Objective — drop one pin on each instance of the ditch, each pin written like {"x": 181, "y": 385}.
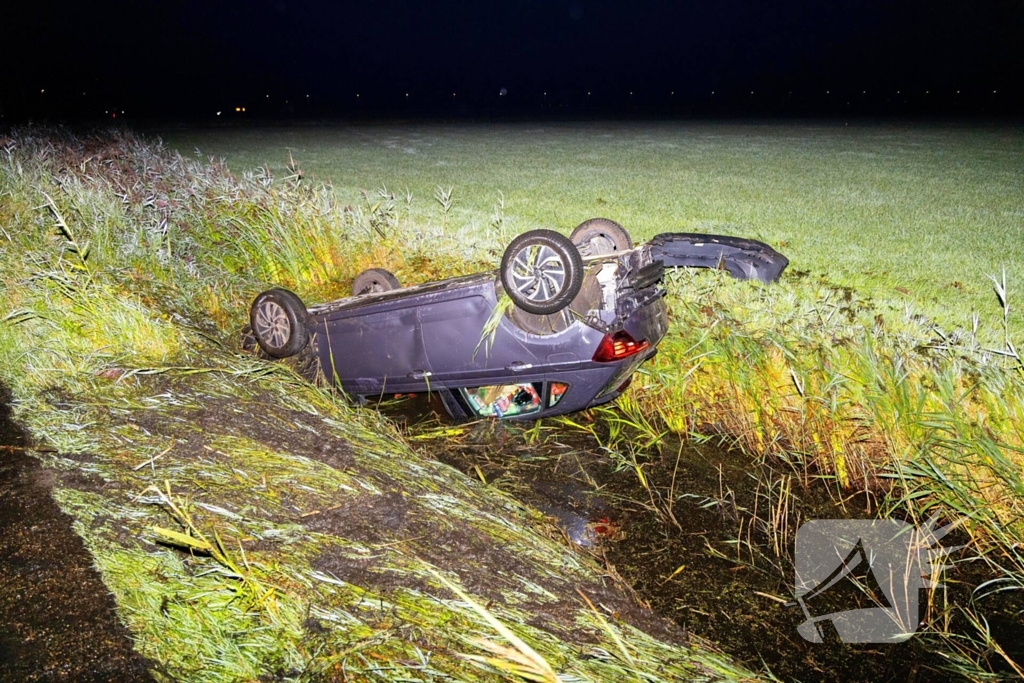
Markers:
{"x": 704, "y": 536}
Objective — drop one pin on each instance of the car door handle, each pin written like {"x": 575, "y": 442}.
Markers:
{"x": 419, "y": 374}
{"x": 519, "y": 366}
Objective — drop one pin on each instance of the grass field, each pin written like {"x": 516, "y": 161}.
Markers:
{"x": 898, "y": 212}
{"x": 126, "y": 272}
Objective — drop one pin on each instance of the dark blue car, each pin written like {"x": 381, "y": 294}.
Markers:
{"x": 560, "y": 326}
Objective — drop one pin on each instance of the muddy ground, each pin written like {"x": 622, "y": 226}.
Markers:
{"x": 231, "y": 453}
{"x": 682, "y": 559}
{"x": 57, "y": 619}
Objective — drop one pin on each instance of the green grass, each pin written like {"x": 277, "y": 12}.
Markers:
{"x": 842, "y": 376}
{"x": 251, "y": 524}
{"x": 126, "y": 272}
{"x": 901, "y": 213}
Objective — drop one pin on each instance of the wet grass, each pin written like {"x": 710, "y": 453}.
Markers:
{"x": 304, "y": 539}
{"x": 881, "y": 406}
{"x": 250, "y": 524}
{"x": 270, "y": 540}
{"x": 705, "y": 534}
{"x": 901, "y": 213}
{"x": 59, "y": 620}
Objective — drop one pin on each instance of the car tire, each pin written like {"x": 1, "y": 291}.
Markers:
{"x": 542, "y": 271}
{"x": 600, "y": 237}
{"x": 278, "y": 321}
{"x": 374, "y": 281}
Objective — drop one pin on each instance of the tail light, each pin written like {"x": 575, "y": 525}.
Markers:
{"x": 618, "y": 346}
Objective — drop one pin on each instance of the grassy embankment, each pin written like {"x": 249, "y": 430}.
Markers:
{"x": 866, "y": 367}
{"x": 250, "y": 524}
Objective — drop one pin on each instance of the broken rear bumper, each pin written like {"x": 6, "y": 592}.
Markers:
{"x": 744, "y": 259}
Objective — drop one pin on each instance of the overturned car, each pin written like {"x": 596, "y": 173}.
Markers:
{"x": 562, "y": 325}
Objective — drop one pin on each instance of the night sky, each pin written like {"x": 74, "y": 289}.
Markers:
{"x": 191, "y": 59}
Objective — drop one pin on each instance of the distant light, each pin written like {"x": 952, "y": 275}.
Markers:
{"x": 357, "y": 94}
{"x": 83, "y": 94}
{"x": 502, "y": 92}
{"x": 712, "y": 92}
{"x": 897, "y": 92}
{"x": 243, "y": 108}
{"x": 588, "y": 93}
{"x": 107, "y": 111}
{"x": 545, "y": 94}
{"x": 307, "y": 97}
{"x": 672, "y": 93}
{"x": 238, "y": 109}
{"x": 218, "y": 113}
{"x": 751, "y": 92}
{"x": 828, "y": 92}
{"x": 993, "y": 92}
{"x": 865, "y": 92}
{"x": 268, "y": 97}
{"x": 957, "y": 92}
{"x": 453, "y": 94}
{"x": 42, "y": 91}
{"x": 927, "y": 92}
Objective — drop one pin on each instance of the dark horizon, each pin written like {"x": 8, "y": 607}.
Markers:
{"x": 578, "y": 57}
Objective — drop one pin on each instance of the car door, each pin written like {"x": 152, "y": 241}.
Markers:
{"x": 374, "y": 350}
{"x": 452, "y": 332}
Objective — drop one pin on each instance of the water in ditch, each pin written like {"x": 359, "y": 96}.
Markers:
{"x": 705, "y": 536}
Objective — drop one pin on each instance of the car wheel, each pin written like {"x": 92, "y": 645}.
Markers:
{"x": 374, "y": 280}
{"x": 600, "y": 236}
{"x": 278, "y": 320}
{"x": 542, "y": 271}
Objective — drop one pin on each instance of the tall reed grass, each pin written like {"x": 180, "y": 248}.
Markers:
{"x": 813, "y": 380}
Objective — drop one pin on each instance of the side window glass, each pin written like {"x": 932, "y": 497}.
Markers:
{"x": 505, "y": 400}
{"x": 556, "y": 392}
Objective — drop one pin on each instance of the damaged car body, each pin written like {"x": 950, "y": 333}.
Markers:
{"x": 561, "y": 326}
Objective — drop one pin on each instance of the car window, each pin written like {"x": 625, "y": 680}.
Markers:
{"x": 505, "y": 400}
{"x": 555, "y": 393}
